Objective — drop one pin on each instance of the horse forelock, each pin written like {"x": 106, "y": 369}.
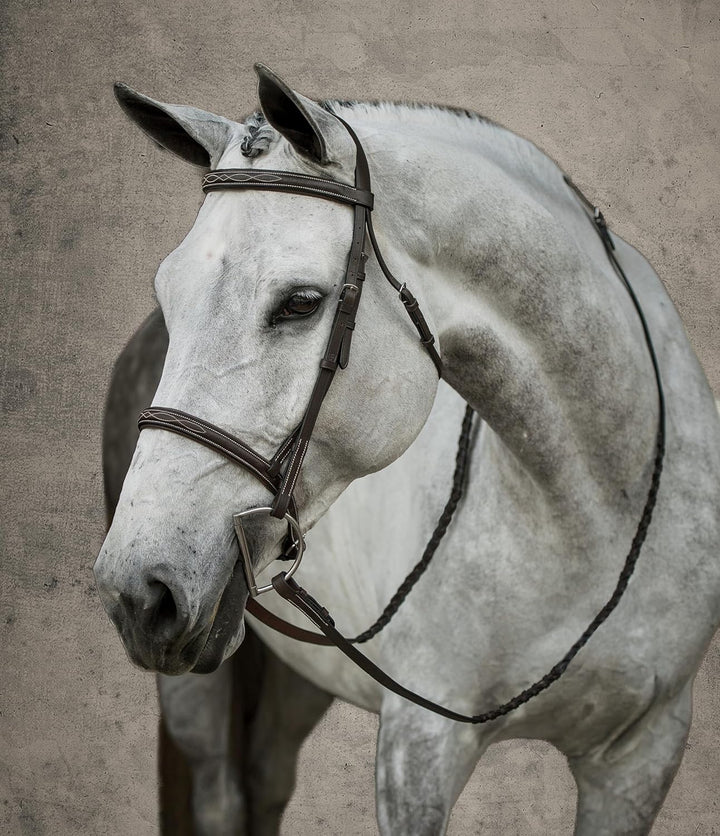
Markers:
{"x": 259, "y": 135}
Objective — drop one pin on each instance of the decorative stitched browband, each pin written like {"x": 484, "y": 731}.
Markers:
{"x": 286, "y": 181}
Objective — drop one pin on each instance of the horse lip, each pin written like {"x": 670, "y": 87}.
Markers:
{"x": 204, "y": 647}
{"x": 227, "y": 625}
{"x": 161, "y": 659}
{"x": 183, "y": 661}
{"x": 213, "y": 655}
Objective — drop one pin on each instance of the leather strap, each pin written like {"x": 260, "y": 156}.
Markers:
{"x": 286, "y": 181}
{"x": 336, "y": 355}
{"x": 601, "y": 227}
{"x": 207, "y": 434}
{"x": 411, "y": 304}
{"x": 285, "y": 627}
{"x": 303, "y": 601}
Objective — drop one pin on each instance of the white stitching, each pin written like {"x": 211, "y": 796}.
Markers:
{"x": 270, "y": 172}
{"x": 349, "y": 198}
{"x": 158, "y": 416}
{"x": 291, "y": 465}
{"x": 208, "y": 441}
{"x": 304, "y": 445}
{"x": 289, "y": 441}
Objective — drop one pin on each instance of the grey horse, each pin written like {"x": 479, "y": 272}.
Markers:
{"x": 539, "y": 336}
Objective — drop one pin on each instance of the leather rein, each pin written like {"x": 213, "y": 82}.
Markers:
{"x": 279, "y": 474}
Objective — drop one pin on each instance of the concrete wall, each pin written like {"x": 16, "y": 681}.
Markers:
{"x": 623, "y": 93}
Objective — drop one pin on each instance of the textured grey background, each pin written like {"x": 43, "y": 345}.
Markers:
{"x": 624, "y": 94}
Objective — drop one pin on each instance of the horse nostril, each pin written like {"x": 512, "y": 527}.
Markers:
{"x": 165, "y": 610}
{"x": 166, "y": 614}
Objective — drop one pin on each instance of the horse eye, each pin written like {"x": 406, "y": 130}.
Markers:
{"x": 299, "y": 305}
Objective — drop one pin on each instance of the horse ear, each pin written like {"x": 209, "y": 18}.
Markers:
{"x": 312, "y": 131}
{"x": 195, "y": 135}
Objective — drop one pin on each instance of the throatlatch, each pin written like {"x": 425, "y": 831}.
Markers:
{"x": 279, "y": 474}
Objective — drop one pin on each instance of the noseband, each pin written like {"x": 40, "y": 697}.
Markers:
{"x": 280, "y": 473}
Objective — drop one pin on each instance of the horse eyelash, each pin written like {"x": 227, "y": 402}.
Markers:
{"x": 307, "y": 294}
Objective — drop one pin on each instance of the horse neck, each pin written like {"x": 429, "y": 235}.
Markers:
{"x": 536, "y": 330}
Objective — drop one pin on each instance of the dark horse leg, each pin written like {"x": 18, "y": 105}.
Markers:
{"x": 228, "y": 741}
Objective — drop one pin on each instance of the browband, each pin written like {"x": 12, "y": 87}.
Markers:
{"x": 286, "y": 181}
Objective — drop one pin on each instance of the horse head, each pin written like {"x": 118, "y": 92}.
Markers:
{"x": 249, "y": 298}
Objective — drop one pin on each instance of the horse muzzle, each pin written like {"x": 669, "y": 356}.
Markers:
{"x": 162, "y": 627}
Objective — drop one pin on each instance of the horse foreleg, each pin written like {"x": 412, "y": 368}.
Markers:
{"x": 622, "y": 786}
{"x": 197, "y": 745}
{"x": 230, "y": 742}
{"x": 423, "y": 763}
{"x": 288, "y": 709}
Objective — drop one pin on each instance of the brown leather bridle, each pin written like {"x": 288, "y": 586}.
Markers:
{"x": 293, "y": 449}
{"x": 291, "y": 453}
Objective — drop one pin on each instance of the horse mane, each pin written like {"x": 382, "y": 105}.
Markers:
{"x": 453, "y": 123}
{"x": 260, "y": 132}
{"x": 395, "y": 104}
